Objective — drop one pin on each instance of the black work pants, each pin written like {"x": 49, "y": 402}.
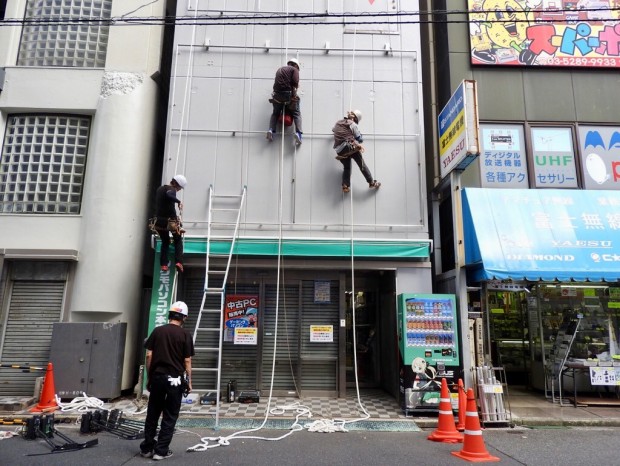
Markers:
{"x": 290, "y": 109}
{"x": 164, "y": 235}
{"x": 359, "y": 160}
{"x": 163, "y": 399}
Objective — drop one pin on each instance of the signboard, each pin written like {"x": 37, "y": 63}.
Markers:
{"x": 548, "y": 234}
{"x": 240, "y": 311}
{"x": 322, "y": 292}
{"x": 600, "y": 156}
{"x": 554, "y": 158}
{"x": 458, "y": 129}
{"x": 246, "y": 336}
{"x": 321, "y": 334}
{"x": 574, "y": 33}
{"x": 604, "y": 375}
{"x": 503, "y": 157}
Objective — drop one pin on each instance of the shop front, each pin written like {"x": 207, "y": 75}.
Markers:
{"x": 318, "y": 315}
{"x": 543, "y": 270}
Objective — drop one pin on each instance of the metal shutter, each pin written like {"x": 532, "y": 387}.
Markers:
{"x": 319, "y": 361}
{"x": 287, "y": 354}
{"x": 34, "y": 306}
{"x": 238, "y": 361}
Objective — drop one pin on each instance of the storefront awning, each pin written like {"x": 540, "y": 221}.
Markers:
{"x": 547, "y": 235}
{"x": 316, "y": 248}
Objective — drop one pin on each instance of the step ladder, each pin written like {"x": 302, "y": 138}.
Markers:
{"x": 224, "y": 217}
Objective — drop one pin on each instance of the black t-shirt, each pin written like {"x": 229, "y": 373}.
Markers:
{"x": 165, "y": 200}
{"x": 170, "y": 345}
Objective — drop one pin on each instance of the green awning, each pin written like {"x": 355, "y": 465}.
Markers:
{"x": 317, "y": 248}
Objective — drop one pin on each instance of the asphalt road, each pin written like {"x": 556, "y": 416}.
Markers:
{"x": 552, "y": 446}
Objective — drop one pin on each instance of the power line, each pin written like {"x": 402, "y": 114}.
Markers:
{"x": 279, "y": 19}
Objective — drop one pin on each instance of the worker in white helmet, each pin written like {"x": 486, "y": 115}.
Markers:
{"x": 167, "y": 221}
{"x": 169, "y": 351}
{"x": 348, "y": 145}
{"x": 285, "y": 99}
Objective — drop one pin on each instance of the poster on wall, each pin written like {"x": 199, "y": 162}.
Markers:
{"x": 572, "y": 33}
{"x": 554, "y": 158}
{"x": 600, "y": 156}
{"x": 502, "y": 157}
{"x": 241, "y": 312}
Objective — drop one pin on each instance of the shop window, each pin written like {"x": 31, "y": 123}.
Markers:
{"x": 64, "y": 41}
{"x": 43, "y": 163}
{"x": 553, "y": 157}
{"x": 503, "y": 158}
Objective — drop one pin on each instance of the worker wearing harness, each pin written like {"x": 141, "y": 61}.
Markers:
{"x": 285, "y": 98}
{"x": 347, "y": 144}
{"x": 168, "y": 222}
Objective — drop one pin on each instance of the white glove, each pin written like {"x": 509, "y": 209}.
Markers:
{"x": 174, "y": 381}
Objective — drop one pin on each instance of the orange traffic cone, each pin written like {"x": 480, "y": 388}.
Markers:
{"x": 460, "y": 426}
{"x": 48, "y": 394}
{"x": 446, "y": 431}
{"x": 473, "y": 445}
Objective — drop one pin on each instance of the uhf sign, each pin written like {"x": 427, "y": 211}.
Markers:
{"x": 458, "y": 129}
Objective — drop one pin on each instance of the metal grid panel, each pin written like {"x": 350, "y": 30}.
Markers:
{"x": 66, "y": 43}
{"x": 43, "y": 162}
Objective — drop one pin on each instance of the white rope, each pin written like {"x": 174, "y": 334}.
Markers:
{"x": 80, "y": 403}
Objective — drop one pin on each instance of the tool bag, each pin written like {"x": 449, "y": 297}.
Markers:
{"x": 351, "y": 148}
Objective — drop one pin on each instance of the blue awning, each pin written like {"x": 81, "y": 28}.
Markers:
{"x": 537, "y": 234}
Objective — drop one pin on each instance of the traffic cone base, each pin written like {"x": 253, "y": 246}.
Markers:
{"x": 473, "y": 443}
{"x": 446, "y": 430}
{"x": 47, "y": 402}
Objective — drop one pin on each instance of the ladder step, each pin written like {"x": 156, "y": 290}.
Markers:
{"x": 208, "y": 329}
{"x": 224, "y": 209}
{"x": 214, "y": 290}
{"x": 217, "y": 272}
{"x": 211, "y": 311}
{"x": 207, "y": 348}
{"x": 226, "y": 196}
{"x": 204, "y": 369}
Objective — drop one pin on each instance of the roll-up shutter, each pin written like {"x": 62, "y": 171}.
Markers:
{"x": 238, "y": 361}
{"x": 319, "y": 361}
{"x": 34, "y": 306}
{"x": 287, "y": 354}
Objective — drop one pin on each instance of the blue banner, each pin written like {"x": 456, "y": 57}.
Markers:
{"x": 536, "y": 234}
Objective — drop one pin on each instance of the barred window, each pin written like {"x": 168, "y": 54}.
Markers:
{"x": 43, "y": 162}
{"x": 60, "y": 39}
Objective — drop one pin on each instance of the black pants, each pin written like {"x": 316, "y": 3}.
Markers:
{"x": 164, "y": 235}
{"x": 292, "y": 109}
{"x": 166, "y": 399}
{"x": 359, "y": 160}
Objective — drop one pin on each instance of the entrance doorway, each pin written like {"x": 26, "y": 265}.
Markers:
{"x": 366, "y": 339}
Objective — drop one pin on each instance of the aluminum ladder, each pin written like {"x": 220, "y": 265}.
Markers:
{"x": 224, "y": 216}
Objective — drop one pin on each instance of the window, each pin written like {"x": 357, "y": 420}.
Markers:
{"x": 43, "y": 162}
{"x": 64, "y": 41}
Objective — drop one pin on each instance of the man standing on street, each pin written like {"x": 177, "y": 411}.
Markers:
{"x": 285, "y": 98}
{"x": 169, "y": 351}
{"x": 167, "y": 222}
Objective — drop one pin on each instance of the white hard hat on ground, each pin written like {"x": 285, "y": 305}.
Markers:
{"x": 294, "y": 61}
{"x": 181, "y": 180}
{"x": 179, "y": 307}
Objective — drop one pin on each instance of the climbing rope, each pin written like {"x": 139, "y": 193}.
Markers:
{"x": 80, "y": 403}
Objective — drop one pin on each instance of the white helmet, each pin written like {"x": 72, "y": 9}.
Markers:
{"x": 358, "y": 115}
{"x": 179, "y": 307}
{"x": 181, "y": 180}
{"x": 293, "y": 61}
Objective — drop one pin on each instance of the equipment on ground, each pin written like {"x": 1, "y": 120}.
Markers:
{"x": 42, "y": 426}
{"x": 113, "y": 422}
{"x": 209, "y": 398}
{"x": 249, "y": 396}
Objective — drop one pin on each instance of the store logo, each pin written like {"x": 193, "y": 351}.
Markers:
{"x": 582, "y": 244}
{"x": 605, "y": 257}
{"x": 541, "y": 257}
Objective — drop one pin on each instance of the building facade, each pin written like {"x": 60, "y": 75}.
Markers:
{"x": 526, "y": 235}
{"x": 306, "y": 254}
{"x": 78, "y": 109}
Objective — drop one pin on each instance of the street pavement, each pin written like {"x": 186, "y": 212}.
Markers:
{"x": 549, "y": 446}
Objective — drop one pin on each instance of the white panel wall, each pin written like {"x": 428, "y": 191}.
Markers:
{"x": 220, "y": 112}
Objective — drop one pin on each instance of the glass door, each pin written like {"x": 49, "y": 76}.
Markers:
{"x": 366, "y": 337}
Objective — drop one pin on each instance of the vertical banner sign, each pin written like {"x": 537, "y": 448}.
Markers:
{"x": 241, "y": 319}
{"x": 161, "y": 298}
{"x": 458, "y": 129}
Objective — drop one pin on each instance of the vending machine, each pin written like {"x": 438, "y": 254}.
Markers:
{"x": 429, "y": 348}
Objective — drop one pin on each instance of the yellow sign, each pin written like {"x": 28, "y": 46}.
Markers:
{"x": 246, "y": 336}
{"x": 321, "y": 333}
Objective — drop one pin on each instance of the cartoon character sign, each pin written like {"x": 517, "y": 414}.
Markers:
{"x": 579, "y": 33}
